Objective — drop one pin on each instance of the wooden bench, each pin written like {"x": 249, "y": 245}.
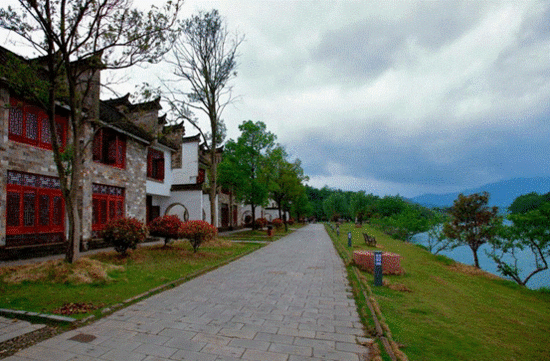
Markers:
{"x": 369, "y": 240}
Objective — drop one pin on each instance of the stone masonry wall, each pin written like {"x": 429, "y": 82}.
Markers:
{"x": 132, "y": 179}
{"x": 19, "y": 157}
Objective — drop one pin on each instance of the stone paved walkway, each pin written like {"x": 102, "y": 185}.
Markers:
{"x": 11, "y": 328}
{"x": 287, "y": 301}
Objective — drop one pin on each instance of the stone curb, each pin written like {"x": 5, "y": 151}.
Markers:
{"x": 45, "y": 316}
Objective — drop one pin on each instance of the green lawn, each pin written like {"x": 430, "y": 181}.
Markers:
{"x": 452, "y": 314}
{"x": 145, "y": 269}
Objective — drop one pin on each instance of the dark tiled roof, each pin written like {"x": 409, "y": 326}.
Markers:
{"x": 125, "y": 102}
{"x": 194, "y": 138}
{"x": 109, "y": 114}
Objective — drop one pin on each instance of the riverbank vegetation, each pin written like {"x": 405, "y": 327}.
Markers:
{"x": 443, "y": 310}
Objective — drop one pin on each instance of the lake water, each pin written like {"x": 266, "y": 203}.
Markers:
{"x": 463, "y": 254}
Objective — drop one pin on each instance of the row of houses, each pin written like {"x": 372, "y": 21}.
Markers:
{"x": 137, "y": 166}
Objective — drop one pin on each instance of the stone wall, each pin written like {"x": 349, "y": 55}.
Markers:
{"x": 19, "y": 157}
{"x": 30, "y": 159}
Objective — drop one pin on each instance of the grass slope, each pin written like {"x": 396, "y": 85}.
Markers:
{"x": 455, "y": 312}
{"x": 144, "y": 269}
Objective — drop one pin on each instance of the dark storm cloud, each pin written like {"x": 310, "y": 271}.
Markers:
{"x": 439, "y": 158}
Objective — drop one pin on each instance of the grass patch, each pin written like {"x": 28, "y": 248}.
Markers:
{"x": 107, "y": 278}
{"x": 443, "y": 310}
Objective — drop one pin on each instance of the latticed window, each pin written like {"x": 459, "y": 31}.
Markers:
{"x": 34, "y": 204}
{"x": 107, "y": 204}
{"x": 29, "y": 124}
{"x": 109, "y": 148}
{"x": 155, "y": 164}
{"x": 13, "y": 209}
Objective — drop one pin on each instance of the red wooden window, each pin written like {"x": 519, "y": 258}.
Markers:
{"x": 155, "y": 164}
{"x": 201, "y": 177}
{"x": 34, "y": 204}
{"x": 107, "y": 204}
{"x": 110, "y": 148}
{"x": 29, "y": 124}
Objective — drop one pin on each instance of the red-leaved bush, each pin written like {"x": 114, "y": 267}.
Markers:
{"x": 290, "y": 221}
{"x": 124, "y": 233}
{"x": 277, "y": 223}
{"x": 261, "y": 222}
{"x": 197, "y": 232}
{"x": 167, "y": 227}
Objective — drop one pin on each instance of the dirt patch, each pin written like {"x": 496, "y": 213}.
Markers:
{"x": 75, "y": 308}
{"x": 472, "y": 271}
{"x": 84, "y": 270}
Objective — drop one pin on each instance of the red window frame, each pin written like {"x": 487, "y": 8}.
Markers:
{"x": 110, "y": 148}
{"x": 29, "y": 124}
{"x": 201, "y": 177}
{"x": 155, "y": 164}
{"x": 33, "y": 210}
{"x": 106, "y": 207}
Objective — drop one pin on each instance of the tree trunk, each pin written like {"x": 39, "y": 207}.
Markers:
{"x": 253, "y": 207}
{"x": 476, "y": 260}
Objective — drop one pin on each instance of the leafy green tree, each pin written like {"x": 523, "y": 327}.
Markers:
{"x": 316, "y": 198}
{"x": 75, "y": 40}
{"x": 336, "y": 206}
{"x": 205, "y": 57}
{"x": 529, "y": 230}
{"x": 528, "y": 202}
{"x": 472, "y": 222}
{"x": 363, "y": 205}
{"x": 284, "y": 180}
{"x": 390, "y": 205}
{"x": 302, "y": 207}
{"x": 244, "y": 162}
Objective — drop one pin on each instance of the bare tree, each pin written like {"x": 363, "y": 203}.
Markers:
{"x": 76, "y": 39}
{"x": 205, "y": 57}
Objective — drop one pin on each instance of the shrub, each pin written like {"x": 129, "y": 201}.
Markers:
{"x": 290, "y": 221}
{"x": 167, "y": 227}
{"x": 261, "y": 222}
{"x": 277, "y": 223}
{"x": 197, "y": 232}
{"x": 124, "y": 233}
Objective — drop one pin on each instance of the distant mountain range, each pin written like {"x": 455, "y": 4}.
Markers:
{"x": 502, "y": 193}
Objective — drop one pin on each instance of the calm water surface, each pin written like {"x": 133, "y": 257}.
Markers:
{"x": 463, "y": 254}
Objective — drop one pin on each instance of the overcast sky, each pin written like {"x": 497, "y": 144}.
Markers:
{"x": 394, "y": 96}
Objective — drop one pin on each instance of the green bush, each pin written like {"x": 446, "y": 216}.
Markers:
{"x": 124, "y": 233}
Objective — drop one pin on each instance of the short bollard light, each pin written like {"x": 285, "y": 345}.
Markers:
{"x": 349, "y": 239}
{"x": 378, "y": 268}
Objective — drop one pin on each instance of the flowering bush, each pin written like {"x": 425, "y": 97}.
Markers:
{"x": 197, "y": 232}
{"x": 261, "y": 222}
{"x": 290, "y": 221}
{"x": 167, "y": 227}
{"x": 124, "y": 233}
{"x": 277, "y": 223}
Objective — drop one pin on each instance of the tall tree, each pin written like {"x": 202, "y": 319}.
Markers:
{"x": 76, "y": 39}
{"x": 284, "y": 181}
{"x": 336, "y": 206}
{"x": 529, "y": 230}
{"x": 244, "y": 163}
{"x": 205, "y": 58}
{"x": 472, "y": 222}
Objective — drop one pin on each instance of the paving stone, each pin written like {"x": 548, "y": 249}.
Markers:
{"x": 264, "y": 356}
{"x": 288, "y": 301}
